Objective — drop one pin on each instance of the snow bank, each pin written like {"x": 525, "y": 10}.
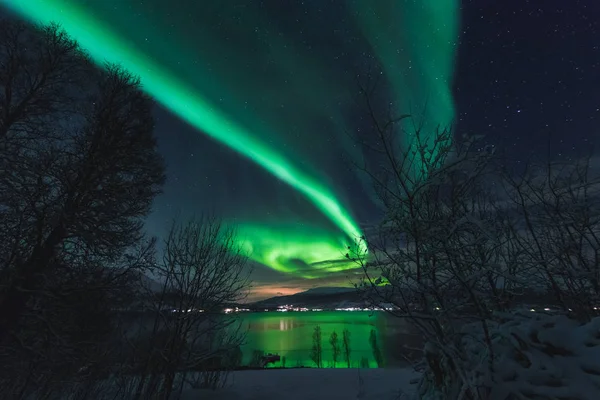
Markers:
{"x": 312, "y": 383}
{"x": 535, "y": 356}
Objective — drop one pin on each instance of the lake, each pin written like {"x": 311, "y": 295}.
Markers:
{"x": 289, "y": 334}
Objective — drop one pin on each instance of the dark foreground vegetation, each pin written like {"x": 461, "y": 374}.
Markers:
{"x": 79, "y": 170}
{"x": 469, "y": 235}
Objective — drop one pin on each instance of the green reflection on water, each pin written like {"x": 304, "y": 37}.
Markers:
{"x": 290, "y": 336}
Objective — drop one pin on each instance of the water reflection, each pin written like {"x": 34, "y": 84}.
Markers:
{"x": 290, "y": 335}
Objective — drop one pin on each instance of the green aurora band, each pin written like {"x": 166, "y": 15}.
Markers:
{"x": 215, "y": 90}
{"x": 417, "y": 52}
{"x": 104, "y": 46}
{"x": 301, "y": 251}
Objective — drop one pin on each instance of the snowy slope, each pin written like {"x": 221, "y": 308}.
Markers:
{"x": 312, "y": 383}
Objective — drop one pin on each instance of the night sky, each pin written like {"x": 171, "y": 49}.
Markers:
{"x": 257, "y": 101}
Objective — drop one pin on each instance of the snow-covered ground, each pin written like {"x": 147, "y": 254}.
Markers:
{"x": 313, "y": 384}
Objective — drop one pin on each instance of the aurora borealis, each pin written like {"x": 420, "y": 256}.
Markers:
{"x": 416, "y": 47}
{"x": 270, "y": 97}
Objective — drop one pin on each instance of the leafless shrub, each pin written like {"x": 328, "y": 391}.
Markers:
{"x": 204, "y": 272}
{"x": 559, "y": 236}
{"x": 463, "y": 240}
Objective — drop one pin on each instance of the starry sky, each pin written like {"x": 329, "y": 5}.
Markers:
{"x": 258, "y": 107}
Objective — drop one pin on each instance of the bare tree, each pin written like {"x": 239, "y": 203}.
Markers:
{"x": 316, "y": 352}
{"x": 463, "y": 241}
{"x": 86, "y": 200}
{"x": 204, "y": 272}
{"x": 41, "y": 70}
{"x": 346, "y": 346}
{"x": 79, "y": 170}
{"x": 335, "y": 347}
{"x": 558, "y": 239}
{"x": 434, "y": 219}
{"x": 437, "y": 255}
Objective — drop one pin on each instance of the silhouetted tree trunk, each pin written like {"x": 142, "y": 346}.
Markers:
{"x": 346, "y": 346}
{"x": 316, "y": 353}
{"x": 335, "y": 347}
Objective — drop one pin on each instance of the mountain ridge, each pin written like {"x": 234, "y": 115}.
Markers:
{"x": 314, "y": 297}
